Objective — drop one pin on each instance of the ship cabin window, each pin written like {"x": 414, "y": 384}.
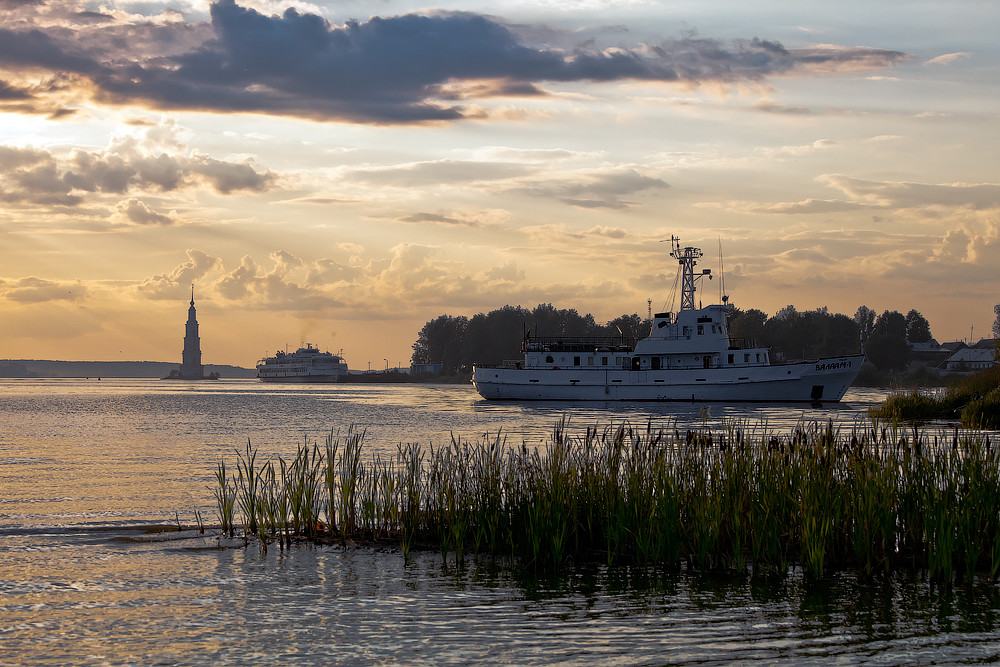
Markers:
{"x": 731, "y": 358}
{"x": 549, "y": 359}
{"x": 701, "y": 329}
{"x": 654, "y": 363}
{"x": 635, "y": 363}
{"x": 746, "y": 358}
{"x": 590, "y": 361}
{"x": 687, "y": 331}
{"x": 576, "y": 361}
{"x": 604, "y": 361}
{"x": 708, "y": 362}
{"x": 758, "y": 357}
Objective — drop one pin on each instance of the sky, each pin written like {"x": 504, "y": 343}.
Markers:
{"x": 342, "y": 172}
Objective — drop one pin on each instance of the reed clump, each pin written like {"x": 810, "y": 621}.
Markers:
{"x": 741, "y": 498}
{"x": 975, "y": 400}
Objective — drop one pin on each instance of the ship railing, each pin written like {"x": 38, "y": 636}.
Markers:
{"x": 736, "y": 343}
{"x": 579, "y": 344}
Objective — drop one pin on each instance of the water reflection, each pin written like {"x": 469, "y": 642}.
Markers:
{"x": 78, "y": 457}
{"x": 96, "y": 598}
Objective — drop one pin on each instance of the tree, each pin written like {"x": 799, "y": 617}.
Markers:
{"x": 887, "y": 348}
{"x": 630, "y": 326}
{"x": 840, "y": 336}
{"x": 996, "y": 332}
{"x": 918, "y": 329}
{"x": 865, "y": 319}
{"x": 495, "y": 336}
{"x": 748, "y": 324}
{"x": 891, "y": 323}
{"x": 440, "y": 342}
{"x": 786, "y": 313}
{"x": 888, "y": 352}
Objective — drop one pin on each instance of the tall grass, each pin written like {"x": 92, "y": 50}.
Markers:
{"x": 877, "y": 498}
{"x": 974, "y": 399}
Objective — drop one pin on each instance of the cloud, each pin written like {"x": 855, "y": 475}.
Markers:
{"x": 479, "y": 219}
{"x": 422, "y": 174}
{"x": 594, "y": 189}
{"x": 175, "y": 284}
{"x": 892, "y": 194}
{"x": 37, "y": 290}
{"x": 136, "y": 212}
{"x": 948, "y": 58}
{"x": 400, "y": 69}
{"x": 40, "y": 177}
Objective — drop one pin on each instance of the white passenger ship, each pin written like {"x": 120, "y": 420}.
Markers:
{"x": 306, "y": 364}
{"x": 690, "y": 357}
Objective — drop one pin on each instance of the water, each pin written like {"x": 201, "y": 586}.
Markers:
{"x": 85, "y": 464}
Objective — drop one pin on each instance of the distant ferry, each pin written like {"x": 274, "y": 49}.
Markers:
{"x": 687, "y": 357}
{"x": 306, "y": 364}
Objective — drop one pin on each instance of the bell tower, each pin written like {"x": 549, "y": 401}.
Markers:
{"x": 191, "y": 368}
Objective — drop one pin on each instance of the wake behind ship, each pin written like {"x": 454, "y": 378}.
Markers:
{"x": 686, "y": 357}
{"x": 306, "y": 364}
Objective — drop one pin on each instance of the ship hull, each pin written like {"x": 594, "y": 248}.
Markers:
{"x": 825, "y": 380}
{"x": 300, "y": 379}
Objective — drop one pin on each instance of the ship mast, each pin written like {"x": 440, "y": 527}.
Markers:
{"x": 687, "y": 257}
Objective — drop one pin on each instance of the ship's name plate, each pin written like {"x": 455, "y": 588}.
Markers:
{"x": 834, "y": 365}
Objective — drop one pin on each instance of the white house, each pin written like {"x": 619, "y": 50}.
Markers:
{"x": 970, "y": 359}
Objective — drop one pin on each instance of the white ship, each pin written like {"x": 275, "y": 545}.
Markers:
{"x": 306, "y": 364}
{"x": 687, "y": 357}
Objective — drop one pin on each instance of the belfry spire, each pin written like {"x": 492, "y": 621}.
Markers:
{"x": 191, "y": 368}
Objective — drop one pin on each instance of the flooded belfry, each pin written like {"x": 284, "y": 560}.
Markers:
{"x": 191, "y": 367}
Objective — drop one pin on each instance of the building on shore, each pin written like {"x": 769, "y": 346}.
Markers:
{"x": 191, "y": 366}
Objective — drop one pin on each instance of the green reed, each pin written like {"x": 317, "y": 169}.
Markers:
{"x": 878, "y": 498}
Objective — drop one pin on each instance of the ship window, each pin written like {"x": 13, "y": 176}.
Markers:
{"x": 746, "y": 358}
{"x": 730, "y": 358}
{"x": 549, "y": 359}
{"x": 758, "y": 357}
{"x": 590, "y": 361}
{"x": 701, "y": 329}
{"x": 576, "y": 361}
{"x": 655, "y": 363}
{"x": 604, "y": 361}
{"x": 687, "y": 331}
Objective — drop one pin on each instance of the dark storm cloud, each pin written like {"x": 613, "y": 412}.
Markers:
{"x": 402, "y": 69}
{"x": 35, "y": 49}
{"x": 8, "y": 92}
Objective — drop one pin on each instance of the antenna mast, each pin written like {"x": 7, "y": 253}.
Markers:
{"x": 687, "y": 257}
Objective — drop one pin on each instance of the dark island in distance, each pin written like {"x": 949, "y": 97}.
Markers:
{"x": 43, "y": 368}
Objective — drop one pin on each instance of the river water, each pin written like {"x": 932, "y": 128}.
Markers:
{"x": 86, "y": 464}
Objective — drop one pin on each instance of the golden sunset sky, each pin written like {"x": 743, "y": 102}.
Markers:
{"x": 342, "y": 172}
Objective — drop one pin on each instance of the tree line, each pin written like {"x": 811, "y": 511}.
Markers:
{"x": 458, "y": 342}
